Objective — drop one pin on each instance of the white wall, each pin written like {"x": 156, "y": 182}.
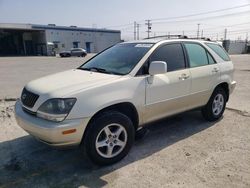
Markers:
{"x": 99, "y": 40}
{"x": 237, "y": 47}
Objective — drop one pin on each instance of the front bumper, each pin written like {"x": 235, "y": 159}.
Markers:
{"x": 50, "y": 132}
{"x": 232, "y": 86}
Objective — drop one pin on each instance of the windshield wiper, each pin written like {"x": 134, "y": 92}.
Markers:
{"x": 101, "y": 70}
{"x": 96, "y": 69}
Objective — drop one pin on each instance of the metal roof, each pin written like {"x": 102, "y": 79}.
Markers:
{"x": 11, "y": 26}
{"x": 35, "y": 27}
{"x": 71, "y": 28}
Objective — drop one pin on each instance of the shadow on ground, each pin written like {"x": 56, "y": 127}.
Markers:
{"x": 29, "y": 162}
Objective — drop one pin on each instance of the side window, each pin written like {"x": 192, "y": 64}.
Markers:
{"x": 197, "y": 55}
{"x": 219, "y": 51}
{"x": 172, "y": 54}
{"x": 210, "y": 59}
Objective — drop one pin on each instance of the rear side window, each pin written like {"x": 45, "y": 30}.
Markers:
{"x": 219, "y": 51}
{"x": 172, "y": 54}
{"x": 197, "y": 55}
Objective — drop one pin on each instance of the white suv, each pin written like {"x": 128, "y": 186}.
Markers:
{"x": 101, "y": 104}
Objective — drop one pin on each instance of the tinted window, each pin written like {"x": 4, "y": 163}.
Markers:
{"x": 119, "y": 59}
{"x": 172, "y": 54}
{"x": 197, "y": 55}
{"x": 219, "y": 51}
{"x": 210, "y": 59}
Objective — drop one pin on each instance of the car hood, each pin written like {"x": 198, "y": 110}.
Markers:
{"x": 68, "y": 82}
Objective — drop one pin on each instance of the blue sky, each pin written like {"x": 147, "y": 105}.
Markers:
{"x": 113, "y": 13}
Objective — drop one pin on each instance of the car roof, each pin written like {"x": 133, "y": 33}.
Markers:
{"x": 157, "y": 40}
{"x": 76, "y": 49}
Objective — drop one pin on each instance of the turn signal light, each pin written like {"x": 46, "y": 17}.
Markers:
{"x": 69, "y": 131}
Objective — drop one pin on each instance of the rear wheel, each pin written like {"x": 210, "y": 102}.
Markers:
{"x": 109, "y": 138}
{"x": 215, "y": 107}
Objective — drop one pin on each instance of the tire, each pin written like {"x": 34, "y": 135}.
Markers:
{"x": 215, "y": 107}
{"x": 103, "y": 131}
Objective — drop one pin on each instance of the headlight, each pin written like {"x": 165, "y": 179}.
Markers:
{"x": 56, "y": 109}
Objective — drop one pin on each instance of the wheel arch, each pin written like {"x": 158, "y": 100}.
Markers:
{"x": 126, "y": 108}
{"x": 225, "y": 87}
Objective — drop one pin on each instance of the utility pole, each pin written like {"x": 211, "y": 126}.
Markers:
{"x": 149, "y": 25}
{"x": 225, "y": 34}
{"x": 201, "y": 33}
{"x": 169, "y": 35}
{"x": 198, "y": 30}
{"x": 138, "y": 26}
{"x": 183, "y": 33}
{"x": 134, "y": 30}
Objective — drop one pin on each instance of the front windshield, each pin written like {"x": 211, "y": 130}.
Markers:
{"x": 119, "y": 59}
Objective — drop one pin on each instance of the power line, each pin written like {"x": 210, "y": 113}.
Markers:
{"x": 202, "y": 13}
{"x": 216, "y": 26}
{"x": 185, "y": 16}
{"x": 204, "y": 29}
{"x": 205, "y": 18}
{"x": 194, "y": 19}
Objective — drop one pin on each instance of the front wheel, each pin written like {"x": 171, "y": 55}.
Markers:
{"x": 215, "y": 107}
{"x": 109, "y": 138}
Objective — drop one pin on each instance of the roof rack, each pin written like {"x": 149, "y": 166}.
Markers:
{"x": 178, "y": 37}
{"x": 202, "y": 38}
{"x": 169, "y": 37}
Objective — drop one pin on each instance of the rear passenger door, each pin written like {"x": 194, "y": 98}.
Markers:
{"x": 167, "y": 94}
{"x": 204, "y": 71}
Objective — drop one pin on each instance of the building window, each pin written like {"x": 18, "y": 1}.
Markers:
{"x": 75, "y": 44}
{"x": 63, "y": 45}
{"x": 56, "y": 44}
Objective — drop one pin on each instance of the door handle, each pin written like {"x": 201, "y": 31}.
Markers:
{"x": 183, "y": 77}
{"x": 215, "y": 70}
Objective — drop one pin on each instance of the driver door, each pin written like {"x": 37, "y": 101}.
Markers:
{"x": 168, "y": 93}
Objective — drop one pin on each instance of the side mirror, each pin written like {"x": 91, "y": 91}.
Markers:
{"x": 157, "y": 67}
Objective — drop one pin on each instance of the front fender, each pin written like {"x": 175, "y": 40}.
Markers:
{"x": 91, "y": 101}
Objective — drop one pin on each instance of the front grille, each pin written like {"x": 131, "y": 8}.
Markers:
{"x": 28, "y": 98}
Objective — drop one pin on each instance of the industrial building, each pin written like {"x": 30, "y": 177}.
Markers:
{"x": 236, "y": 47}
{"x": 34, "y": 39}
